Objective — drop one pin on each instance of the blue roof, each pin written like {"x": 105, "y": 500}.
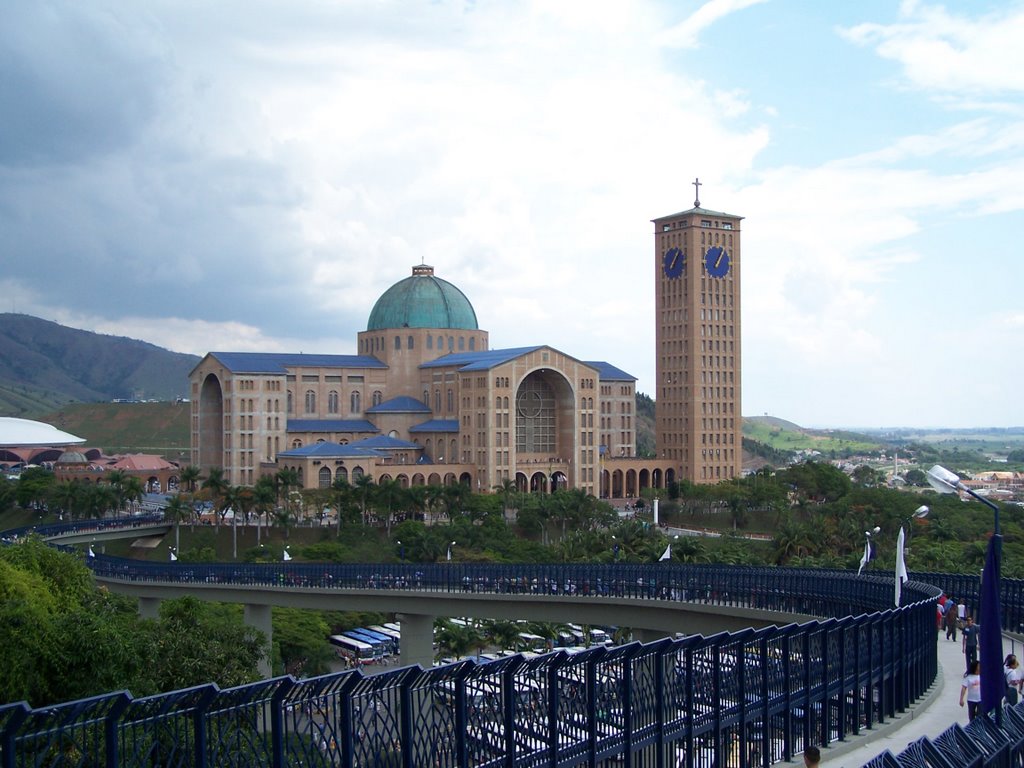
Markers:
{"x": 385, "y": 443}
{"x": 401, "y": 404}
{"x": 330, "y": 425}
{"x": 479, "y": 361}
{"x": 608, "y": 372}
{"x": 437, "y": 425}
{"x": 279, "y": 362}
{"x": 331, "y": 451}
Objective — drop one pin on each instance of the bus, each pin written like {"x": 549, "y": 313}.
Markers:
{"x": 390, "y": 645}
{"x": 354, "y": 650}
{"x": 534, "y": 643}
{"x": 380, "y": 648}
{"x": 394, "y": 634}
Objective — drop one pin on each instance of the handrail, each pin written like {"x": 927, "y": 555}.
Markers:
{"x": 749, "y": 698}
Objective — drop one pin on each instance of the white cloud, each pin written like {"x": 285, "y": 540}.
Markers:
{"x": 952, "y": 53}
{"x": 686, "y": 34}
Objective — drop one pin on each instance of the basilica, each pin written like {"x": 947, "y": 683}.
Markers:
{"x": 425, "y": 401}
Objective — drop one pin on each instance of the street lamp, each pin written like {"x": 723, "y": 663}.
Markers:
{"x": 615, "y": 549}
{"x": 401, "y": 550}
{"x": 869, "y": 549}
{"x": 991, "y": 645}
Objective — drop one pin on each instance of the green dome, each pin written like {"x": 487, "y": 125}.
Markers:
{"x": 422, "y": 301}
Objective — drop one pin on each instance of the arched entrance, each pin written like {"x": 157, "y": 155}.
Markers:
{"x": 211, "y": 424}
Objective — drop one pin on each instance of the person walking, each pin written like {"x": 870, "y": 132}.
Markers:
{"x": 971, "y": 689}
{"x": 949, "y": 619}
{"x": 1014, "y": 677}
{"x": 970, "y": 641}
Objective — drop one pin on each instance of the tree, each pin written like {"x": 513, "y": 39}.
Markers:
{"x": 217, "y": 485}
{"x": 66, "y": 496}
{"x": 389, "y": 495}
{"x": 177, "y": 509}
{"x": 34, "y": 485}
{"x": 132, "y": 491}
{"x": 263, "y": 495}
{"x": 190, "y": 476}
{"x": 507, "y": 489}
{"x": 364, "y": 487}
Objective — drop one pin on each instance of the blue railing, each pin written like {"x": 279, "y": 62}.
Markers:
{"x": 749, "y": 698}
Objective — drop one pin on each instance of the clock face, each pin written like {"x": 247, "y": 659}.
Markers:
{"x": 716, "y": 261}
{"x": 673, "y": 262}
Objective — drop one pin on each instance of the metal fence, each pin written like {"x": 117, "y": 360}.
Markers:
{"x": 744, "y": 699}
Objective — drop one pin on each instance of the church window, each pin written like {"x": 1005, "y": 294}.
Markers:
{"x": 332, "y": 401}
{"x": 378, "y": 397}
{"x": 398, "y": 342}
{"x": 355, "y": 404}
{"x": 296, "y": 444}
{"x": 426, "y": 398}
{"x": 310, "y": 401}
{"x": 472, "y": 343}
{"x": 451, "y": 401}
{"x": 290, "y": 404}
{"x": 462, "y": 343}
{"x": 410, "y": 343}
{"x": 430, "y": 341}
{"x": 440, "y": 343}
{"x": 451, "y": 343}
{"x": 324, "y": 477}
{"x": 437, "y": 401}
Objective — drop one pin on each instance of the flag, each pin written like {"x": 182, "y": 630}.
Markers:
{"x": 666, "y": 555}
{"x": 286, "y": 556}
{"x": 449, "y": 553}
{"x": 174, "y": 557}
{"x": 901, "y": 567}
{"x": 869, "y": 555}
{"x": 990, "y": 647}
{"x": 91, "y": 553}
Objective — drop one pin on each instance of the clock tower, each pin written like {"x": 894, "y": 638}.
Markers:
{"x": 698, "y": 419}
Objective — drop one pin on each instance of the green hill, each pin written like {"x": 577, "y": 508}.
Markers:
{"x": 161, "y": 428}
{"x": 45, "y": 366}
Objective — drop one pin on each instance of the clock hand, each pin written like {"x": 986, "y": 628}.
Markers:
{"x": 721, "y": 255}
{"x": 675, "y": 260}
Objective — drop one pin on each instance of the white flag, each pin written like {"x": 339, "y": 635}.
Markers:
{"x": 666, "y": 555}
{"x": 869, "y": 555}
{"x": 286, "y": 556}
{"x": 91, "y": 553}
{"x": 901, "y": 567}
{"x": 174, "y": 557}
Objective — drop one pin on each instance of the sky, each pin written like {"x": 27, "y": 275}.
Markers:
{"x": 251, "y": 176}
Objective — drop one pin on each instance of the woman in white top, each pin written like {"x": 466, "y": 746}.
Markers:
{"x": 1014, "y": 679}
{"x": 971, "y": 688}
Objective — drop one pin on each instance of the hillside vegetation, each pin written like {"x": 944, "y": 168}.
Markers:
{"x": 44, "y": 366}
{"x": 161, "y": 428}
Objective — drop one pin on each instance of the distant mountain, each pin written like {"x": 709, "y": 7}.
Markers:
{"x": 44, "y": 365}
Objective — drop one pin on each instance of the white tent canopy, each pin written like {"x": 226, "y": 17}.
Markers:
{"x": 18, "y": 433}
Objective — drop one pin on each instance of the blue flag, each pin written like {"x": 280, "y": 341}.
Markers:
{"x": 990, "y": 648}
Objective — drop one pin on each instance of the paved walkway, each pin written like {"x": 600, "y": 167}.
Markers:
{"x": 938, "y": 709}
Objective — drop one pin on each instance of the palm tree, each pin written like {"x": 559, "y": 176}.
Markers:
{"x": 263, "y": 496}
{"x": 115, "y": 480}
{"x": 364, "y": 487}
{"x": 98, "y": 499}
{"x": 389, "y": 494}
{"x": 507, "y": 489}
{"x": 240, "y": 499}
{"x": 132, "y": 490}
{"x": 189, "y": 476}
{"x": 285, "y": 479}
{"x": 66, "y": 495}
{"x": 217, "y": 485}
{"x": 177, "y": 509}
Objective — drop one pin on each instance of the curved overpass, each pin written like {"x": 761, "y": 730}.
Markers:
{"x": 815, "y": 682}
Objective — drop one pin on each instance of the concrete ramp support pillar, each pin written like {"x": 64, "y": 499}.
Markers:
{"x": 149, "y": 607}
{"x": 417, "y": 639}
{"x": 259, "y": 617}
{"x": 648, "y": 635}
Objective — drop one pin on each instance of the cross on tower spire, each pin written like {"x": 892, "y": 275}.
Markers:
{"x": 697, "y": 185}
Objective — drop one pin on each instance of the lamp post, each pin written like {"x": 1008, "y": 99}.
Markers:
{"x": 615, "y": 549}
{"x": 991, "y": 639}
{"x": 401, "y": 550}
{"x": 869, "y": 549}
